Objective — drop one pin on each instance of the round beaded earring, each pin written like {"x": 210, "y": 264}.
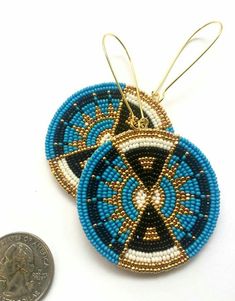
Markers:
{"x": 89, "y": 118}
{"x": 148, "y": 200}
{"x": 92, "y": 116}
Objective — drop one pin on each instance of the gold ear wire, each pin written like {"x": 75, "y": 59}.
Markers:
{"x": 142, "y": 122}
{"x": 158, "y": 94}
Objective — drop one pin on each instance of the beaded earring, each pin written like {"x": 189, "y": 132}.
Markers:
{"x": 89, "y": 118}
{"x": 148, "y": 200}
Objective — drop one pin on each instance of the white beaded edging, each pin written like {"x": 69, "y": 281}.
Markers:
{"x": 146, "y": 142}
{"x": 67, "y": 172}
{"x": 160, "y": 256}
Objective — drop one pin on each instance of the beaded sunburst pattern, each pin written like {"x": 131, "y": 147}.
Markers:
{"x": 148, "y": 200}
{"x": 89, "y": 118}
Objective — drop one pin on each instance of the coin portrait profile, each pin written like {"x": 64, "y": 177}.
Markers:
{"x": 16, "y": 268}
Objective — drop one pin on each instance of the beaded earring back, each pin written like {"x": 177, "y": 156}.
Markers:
{"x": 148, "y": 200}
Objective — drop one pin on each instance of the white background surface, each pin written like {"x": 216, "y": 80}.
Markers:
{"x": 49, "y": 50}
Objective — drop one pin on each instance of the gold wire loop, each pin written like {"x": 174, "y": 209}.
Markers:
{"x": 158, "y": 94}
{"x": 142, "y": 122}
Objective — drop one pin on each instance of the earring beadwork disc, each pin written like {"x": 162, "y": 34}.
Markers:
{"x": 89, "y": 118}
{"x": 148, "y": 200}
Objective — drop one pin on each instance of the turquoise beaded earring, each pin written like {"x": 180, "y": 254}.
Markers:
{"x": 148, "y": 200}
{"x": 89, "y": 118}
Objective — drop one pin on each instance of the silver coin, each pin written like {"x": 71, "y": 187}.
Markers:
{"x": 26, "y": 267}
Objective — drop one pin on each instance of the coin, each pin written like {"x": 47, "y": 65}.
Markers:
{"x": 26, "y": 267}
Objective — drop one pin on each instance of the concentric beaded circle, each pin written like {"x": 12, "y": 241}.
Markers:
{"x": 148, "y": 200}
{"x": 86, "y": 120}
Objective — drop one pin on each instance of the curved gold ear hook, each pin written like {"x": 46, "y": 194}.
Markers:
{"x": 160, "y": 95}
{"x": 142, "y": 122}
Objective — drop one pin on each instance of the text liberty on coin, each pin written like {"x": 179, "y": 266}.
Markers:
{"x": 26, "y": 267}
